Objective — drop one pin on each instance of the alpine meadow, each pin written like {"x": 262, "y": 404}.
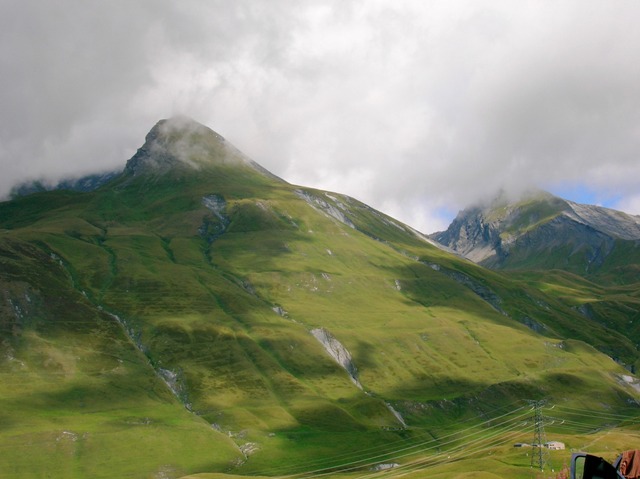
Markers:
{"x": 194, "y": 315}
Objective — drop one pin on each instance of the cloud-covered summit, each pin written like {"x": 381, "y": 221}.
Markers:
{"x": 180, "y": 142}
{"x": 173, "y": 142}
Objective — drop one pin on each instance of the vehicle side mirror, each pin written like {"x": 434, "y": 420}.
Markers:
{"x": 586, "y": 466}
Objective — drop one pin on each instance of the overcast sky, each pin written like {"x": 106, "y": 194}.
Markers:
{"x": 417, "y": 108}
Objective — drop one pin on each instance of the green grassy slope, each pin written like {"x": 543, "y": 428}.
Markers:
{"x": 141, "y": 314}
{"x": 77, "y": 398}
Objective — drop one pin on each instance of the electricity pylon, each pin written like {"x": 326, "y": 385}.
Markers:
{"x": 539, "y": 457}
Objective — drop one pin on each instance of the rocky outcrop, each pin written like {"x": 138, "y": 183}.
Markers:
{"x": 384, "y": 466}
{"x": 338, "y": 352}
{"x": 213, "y": 227}
{"x": 175, "y": 382}
{"x": 471, "y": 235}
{"x": 329, "y": 208}
{"x": 342, "y": 356}
{"x": 396, "y": 414}
{"x": 169, "y": 144}
{"x": 540, "y": 230}
{"x": 615, "y": 224}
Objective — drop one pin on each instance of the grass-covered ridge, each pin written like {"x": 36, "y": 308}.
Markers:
{"x": 173, "y": 308}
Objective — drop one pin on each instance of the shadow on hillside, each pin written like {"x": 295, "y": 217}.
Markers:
{"x": 425, "y": 286}
{"x": 97, "y": 394}
{"x": 233, "y": 348}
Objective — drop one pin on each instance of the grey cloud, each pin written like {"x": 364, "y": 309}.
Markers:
{"x": 414, "y": 107}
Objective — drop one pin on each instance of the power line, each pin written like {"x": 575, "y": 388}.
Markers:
{"x": 539, "y": 458}
{"x": 454, "y": 442}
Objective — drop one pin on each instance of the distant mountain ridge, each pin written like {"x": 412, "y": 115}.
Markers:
{"x": 541, "y": 231}
{"x": 86, "y": 183}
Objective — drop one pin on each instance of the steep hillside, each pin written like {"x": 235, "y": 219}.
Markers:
{"x": 587, "y": 257}
{"x": 232, "y": 322}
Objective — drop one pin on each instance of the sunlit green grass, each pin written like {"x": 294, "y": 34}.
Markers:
{"x": 231, "y": 316}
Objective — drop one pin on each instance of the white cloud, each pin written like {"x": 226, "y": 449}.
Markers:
{"x": 412, "y": 107}
{"x": 630, "y": 204}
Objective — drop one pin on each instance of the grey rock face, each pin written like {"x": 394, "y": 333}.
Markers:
{"x": 472, "y": 235}
{"x": 171, "y": 143}
{"x": 338, "y": 352}
{"x": 212, "y": 228}
{"x": 610, "y": 222}
{"x": 331, "y": 209}
{"x": 507, "y": 235}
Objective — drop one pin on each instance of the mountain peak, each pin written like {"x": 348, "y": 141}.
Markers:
{"x": 539, "y": 228}
{"x": 180, "y": 126}
{"x": 179, "y": 142}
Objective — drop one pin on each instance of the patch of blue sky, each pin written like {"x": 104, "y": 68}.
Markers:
{"x": 584, "y": 194}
